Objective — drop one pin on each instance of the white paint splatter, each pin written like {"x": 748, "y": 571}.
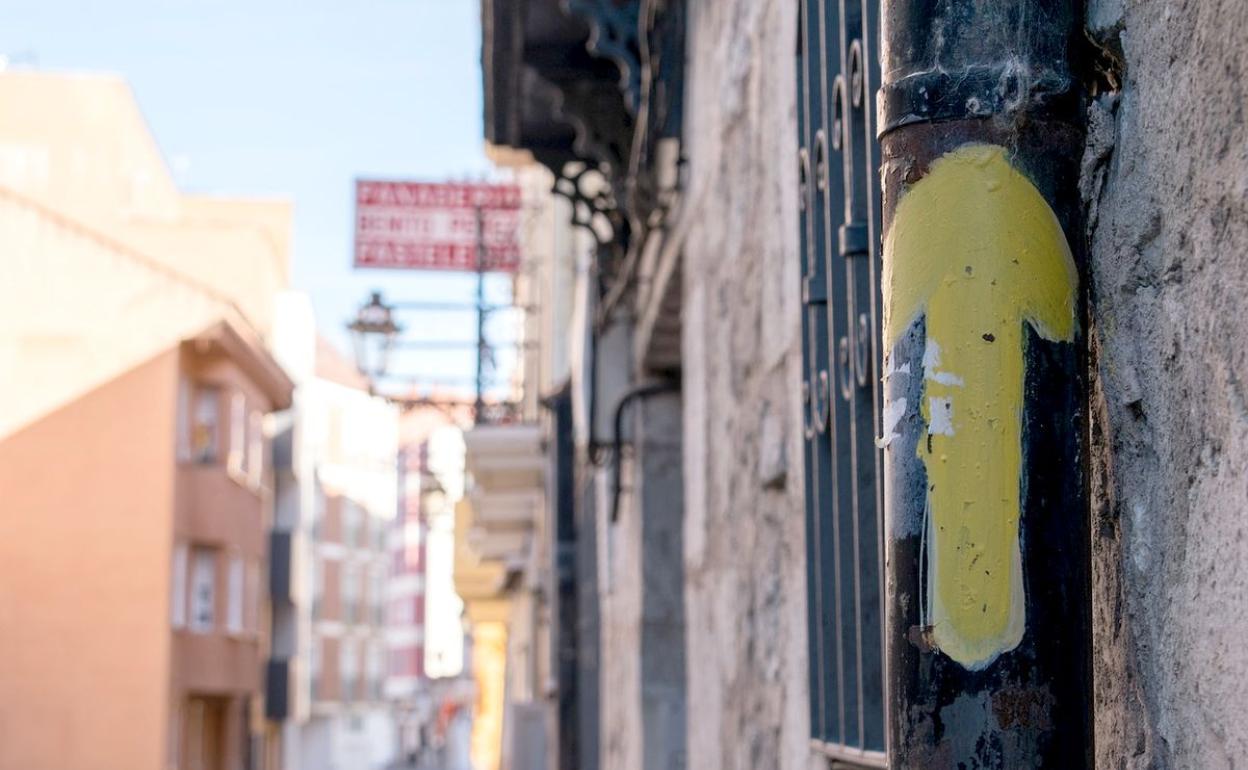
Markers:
{"x": 891, "y": 368}
{"x": 893, "y": 412}
{"x": 931, "y": 362}
{"x": 940, "y": 411}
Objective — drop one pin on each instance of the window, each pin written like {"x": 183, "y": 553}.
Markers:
{"x": 348, "y": 665}
{"x": 318, "y": 512}
{"x": 377, "y": 530}
{"x": 318, "y": 586}
{"x": 238, "y": 436}
{"x": 203, "y": 590}
{"x": 402, "y": 612}
{"x": 350, "y": 592}
{"x": 204, "y": 428}
{"x": 235, "y": 594}
{"x": 839, "y": 207}
{"x": 178, "y": 589}
{"x": 255, "y": 449}
{"x": 350, "y": 523}
{"x": 185, "y": 395}
{"x": 252, "y": 620}
{"x": 375, "y": 663}
{"x": 376, "y": 593}
{"x": 314, "y": 667}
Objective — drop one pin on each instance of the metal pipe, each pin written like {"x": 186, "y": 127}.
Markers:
{"x": 984, "y": 416}
{"x": 593, "y": 447}
{"x": 645, "y": 390}
{"x": 437, "y": 344}
{"x": 416, "y": 381}
{"x": 478, "y": 407}
{"x": 444, "y": 307}
{"x": 463, "y": 344}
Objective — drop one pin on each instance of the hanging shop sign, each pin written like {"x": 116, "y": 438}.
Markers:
{"x": 437, "y": 226}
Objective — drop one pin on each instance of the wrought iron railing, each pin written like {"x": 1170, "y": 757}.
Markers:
{"x": 840, "y": 261}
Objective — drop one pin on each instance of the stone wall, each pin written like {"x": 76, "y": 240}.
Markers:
{"x": 659, "y": 499}
{"x": 1166, "y": 183}
{"x": 643, "y": 618}
{"x": 1166, "y": 188}
{"x": 744, "y": 530}
{"x": 620, "y": 591}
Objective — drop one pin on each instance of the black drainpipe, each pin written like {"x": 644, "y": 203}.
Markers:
{"x": 985, "y": 418}
{"x": 636, "y": 393}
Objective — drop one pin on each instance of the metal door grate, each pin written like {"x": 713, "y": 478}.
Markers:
{"x": 838, "y": 73}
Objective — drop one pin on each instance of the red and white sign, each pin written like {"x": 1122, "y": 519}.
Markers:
{"x": 428, "y": 226}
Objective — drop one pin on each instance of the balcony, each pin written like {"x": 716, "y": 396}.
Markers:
{"x": 506, "y": 510}
{"x": 510, "y": 547}
{"x": 280, "y": 564}
{"x": 217, "y": 663}
{"x": 277, "y": 690}
{"x": 505, "y": 458}
{"x": 214, "y": 508}
{"x": 507, "y": 464}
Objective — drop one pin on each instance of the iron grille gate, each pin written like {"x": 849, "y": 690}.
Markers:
{"x": 838, "y": 73}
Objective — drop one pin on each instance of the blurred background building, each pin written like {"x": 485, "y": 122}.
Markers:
{"x": 427, "y": 679}
{"x": 135, "y": 323}
{"x": 516, "y": 592}
{"x": 336, "y": 509}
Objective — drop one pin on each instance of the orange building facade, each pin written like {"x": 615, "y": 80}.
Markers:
{"x": 133, "y": 545}
{"x": 135, "y": 498}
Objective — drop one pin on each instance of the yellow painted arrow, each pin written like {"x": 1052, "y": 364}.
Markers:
{"x": 975, "y": 248}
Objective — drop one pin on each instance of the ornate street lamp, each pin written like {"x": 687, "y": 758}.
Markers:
{"x": 373, "y": 333}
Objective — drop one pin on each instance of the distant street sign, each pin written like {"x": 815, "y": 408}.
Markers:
{"x": 430, "y": 226}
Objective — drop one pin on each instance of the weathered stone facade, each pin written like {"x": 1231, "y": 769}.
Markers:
{"x": 692, "y": 637}
{"x": 1166, "y": 182}
{"x": 1166, "y": 188}
{"x": 744, "y": 527}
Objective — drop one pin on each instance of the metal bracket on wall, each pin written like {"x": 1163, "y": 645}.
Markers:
{"x": 614, "y": 29}
{"x": 632, "y": 395}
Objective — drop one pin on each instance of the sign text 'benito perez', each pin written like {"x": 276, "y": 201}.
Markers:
{"x": 434, "y": 226}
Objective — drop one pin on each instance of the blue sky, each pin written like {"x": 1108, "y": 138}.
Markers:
{"x": 295, "y": 99}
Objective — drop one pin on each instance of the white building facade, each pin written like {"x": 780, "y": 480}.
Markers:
{"x": 337, "y": 499}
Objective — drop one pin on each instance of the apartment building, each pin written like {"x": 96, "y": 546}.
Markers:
{"x": 337, "y": 496}
{"x": 222, "y": 505}
{"x": 150, "y": 494}
{"x": 513, "y": 568}
{"x": 407, "y": 680}
{"x": 134, "y": 323}
{"x": 428, "y": 681}
{"x": 347, "y": 604}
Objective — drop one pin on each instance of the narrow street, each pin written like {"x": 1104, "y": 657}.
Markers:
{"x": 623, "y": 385}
